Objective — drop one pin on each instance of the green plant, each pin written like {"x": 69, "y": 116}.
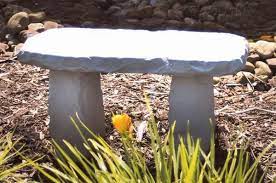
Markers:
{"x": 8, "y": 156}
{"x": 183, "y": 162}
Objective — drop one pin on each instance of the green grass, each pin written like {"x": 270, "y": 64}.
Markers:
{"x": 10, "y": 163}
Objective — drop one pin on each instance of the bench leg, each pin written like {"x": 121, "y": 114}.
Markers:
{"x": 192, "y": 98}
{"x": 71, "y": 92}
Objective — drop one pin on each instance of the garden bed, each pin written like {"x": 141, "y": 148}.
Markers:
{"x": 242, "y": 115}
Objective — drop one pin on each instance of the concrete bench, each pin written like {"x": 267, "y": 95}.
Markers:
{"x": 76, "y": 57}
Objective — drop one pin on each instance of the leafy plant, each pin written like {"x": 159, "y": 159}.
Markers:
{"x": 183, "y": 162}
{"x": 8, "y": 155}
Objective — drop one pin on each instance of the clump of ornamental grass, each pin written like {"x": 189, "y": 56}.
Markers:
{"x": 184, "y": 162}
{"x": 9, "y": 155}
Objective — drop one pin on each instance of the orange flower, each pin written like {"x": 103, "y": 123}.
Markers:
{"x": 122, "y": 123}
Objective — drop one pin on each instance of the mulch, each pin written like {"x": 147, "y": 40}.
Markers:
{"x": 243, "y": 116}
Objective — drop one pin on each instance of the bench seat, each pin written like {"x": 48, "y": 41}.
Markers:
{"x": 76, "y": 56}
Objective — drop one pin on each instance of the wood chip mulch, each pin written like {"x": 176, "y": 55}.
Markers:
{"x": 242, "y": 116}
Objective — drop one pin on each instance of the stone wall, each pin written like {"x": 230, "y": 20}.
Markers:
{"x": 238, "y": 16}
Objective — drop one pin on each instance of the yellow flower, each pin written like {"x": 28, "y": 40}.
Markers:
{"x": 122, "y": 123}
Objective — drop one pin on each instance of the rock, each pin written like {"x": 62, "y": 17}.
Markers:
{"x": 265, "y": 49}
{"x": 25, "y": 34}
{"x": 216, "y": 80}
{"x": 18, "y": 22}
{"x": 175, "y": 14}
{"x": 159, "y": 13}
{"x": 202, "y": 2}
{"x": 174, "y": 24}
{"x": 145, "y": 12}
{"x": 191, "y": 10}
{"x": 11, "y": 39}
{"x": 164, "y": 5}
{"x": 113, "y": 9}
{"x": 252, "y": 47}
{"x": 213, "y": 26}
{"x": 223, "y": 6}
{"x": 253, "y": 58}
{"x": 12, "y": 9}
{"x": 50, "y": 25}
{"x": 204, "y": 16}
{"x": 17, "y": 48}
{"x": 152, "y": 22}
{"x": 264, "y": 78}
{"x": 177, "y": 6}
{"x": 262, "y": 69}
{"x": 272, "y": 81}
{"x": 190, "y": 22}
{"x": 38, "y": 27}
{"x": 3, "y": 47}
{"x": 241, "y": 77}
{"x": 267, "y": 37}
{"x": 249, "y": 67}
{"x": 88, "y": 24}
{"x": 271, "y": 63}
{"x": 37, "y": 17}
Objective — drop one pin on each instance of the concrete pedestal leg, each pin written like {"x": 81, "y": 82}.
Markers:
{"x": 192, "y": 98}
{"x": 71, "y": 92}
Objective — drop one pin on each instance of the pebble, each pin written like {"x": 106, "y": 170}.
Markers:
{"x": 50, "y": 25}
{"x": 39, "y": 27}
{"x": 264, "y": 78}
{"x": 241, "y": 77}
{"x": 18, "y": 22}
{"x": 216, "y": 80}
{"x": 202, "y": 2}
{"x": 3, "y": 47}
{"x": 249, "y": 67}
{"x": 175, "y": 14}
{"x": 262, "y": 69}
{"x": 253, "y": 58}
{"x": 159, "y": 13}
{"x": 265, "y": 49}
{"x": 271, "y": 63}
{"x": 37, "y": 17}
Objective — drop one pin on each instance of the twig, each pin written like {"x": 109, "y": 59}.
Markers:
{"x": 247, "y": 110}
{"x": 252, "y": 87}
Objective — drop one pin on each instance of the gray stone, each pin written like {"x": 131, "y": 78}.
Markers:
{"x": 165, "y": 52}
{"x": 265, "y": 49}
